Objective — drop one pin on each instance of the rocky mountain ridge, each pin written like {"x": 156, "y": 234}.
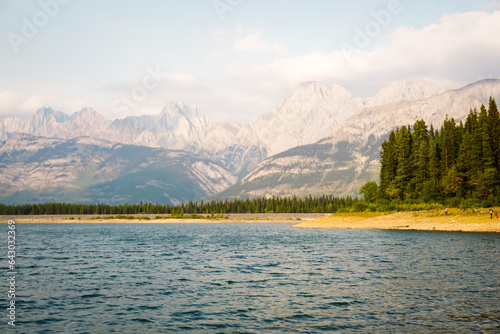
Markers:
{"x": 318, "y": 140}
{"x": 344, "y": 160}
{"x": 88, "y": 170}
{"x": 310, "y": 113}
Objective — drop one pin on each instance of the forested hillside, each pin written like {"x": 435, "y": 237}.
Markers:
{"x": 456, "y": 164}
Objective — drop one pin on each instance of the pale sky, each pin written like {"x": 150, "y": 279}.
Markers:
{"x": 234, "y": 59}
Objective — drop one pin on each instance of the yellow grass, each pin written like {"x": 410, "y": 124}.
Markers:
{"x": 456, "y": 220}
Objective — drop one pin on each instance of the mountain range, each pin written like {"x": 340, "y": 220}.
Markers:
{"x": 319, "y": 140}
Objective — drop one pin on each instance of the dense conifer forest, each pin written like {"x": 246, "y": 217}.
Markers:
{"x": 457, "y": 165}
{"x": 309, "y": 204}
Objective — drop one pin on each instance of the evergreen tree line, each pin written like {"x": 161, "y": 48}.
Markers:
{"x": 456, "y": 165}
{"x": 309, "y": 204}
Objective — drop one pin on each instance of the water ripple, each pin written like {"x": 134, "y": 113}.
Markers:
{"x": 253, "y": 278}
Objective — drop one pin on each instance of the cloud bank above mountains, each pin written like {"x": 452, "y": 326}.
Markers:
{"x": 460, "y": 48}
{"x": 237, "y": 71}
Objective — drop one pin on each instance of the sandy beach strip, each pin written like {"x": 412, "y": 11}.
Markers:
{"x": 425, "y": 221}
{"x": 456, "y": 220}
{"x": 167, "y": 219}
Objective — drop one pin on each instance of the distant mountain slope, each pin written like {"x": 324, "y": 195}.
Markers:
{"x": 378, "y": 121}
{"x": 311, "y": 112}
{"x": 343, "y": 161}
{"x": 86, "y": 170}
{"x": 9, "y": 125}
{"x": 322, "y": 140}
{"x": 403, "y": 91}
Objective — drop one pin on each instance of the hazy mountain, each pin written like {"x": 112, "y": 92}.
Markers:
{"x": 380, "y": 120}
{"x": 85, "y": 123}
{"x": 403, "y": 91}
{"x": 323, "y": 140}
{"x": 179, "y": 125}
{"x": 313, "y": 111}
{"x": 86, "y": 170}
{"x": 44, "y": 122}
{"x": 9, "y": 125}
{"x": 343, "y": 161}
{"x": 308, "y": 114}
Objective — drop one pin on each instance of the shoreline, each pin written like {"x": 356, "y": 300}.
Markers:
{"x": 455, "y": 221}
{"x": 166, "y": 219}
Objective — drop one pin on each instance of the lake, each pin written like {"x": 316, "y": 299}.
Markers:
{"x": 251, "y": 278}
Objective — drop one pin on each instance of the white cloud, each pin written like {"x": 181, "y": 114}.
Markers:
{"x": 219, "y": 35}
{"x": 14, "y": 103}
{"x": 218, "y": 54}
{"x": 496, "y": 3}
{"x": 182, "y": 81}
{"x": 34, "y": 103}
{"x": 8, "y": 100}
{"x": 459, "y": 49}
{"x": 253, "y": 42}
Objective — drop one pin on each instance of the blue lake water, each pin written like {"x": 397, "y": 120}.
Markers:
{"x": 251, "y": 278}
